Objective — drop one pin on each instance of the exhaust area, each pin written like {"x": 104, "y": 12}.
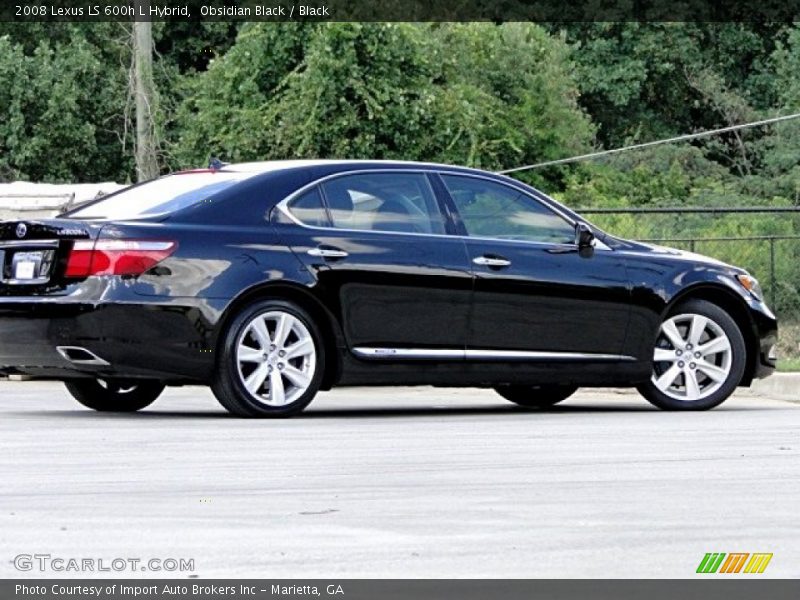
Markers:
{"x": 80, "y": 356}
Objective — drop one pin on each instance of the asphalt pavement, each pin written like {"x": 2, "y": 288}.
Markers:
{"x": 398, "y": 482}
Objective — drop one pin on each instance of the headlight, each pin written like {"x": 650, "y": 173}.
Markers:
{"x": 751, "y": 284}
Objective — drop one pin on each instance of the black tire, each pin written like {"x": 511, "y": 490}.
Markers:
{"x": 738, "y": 361}
{"x": 227, "y": 383}
{"x": 114, "y": 395}
{"x": 536, "y": 396}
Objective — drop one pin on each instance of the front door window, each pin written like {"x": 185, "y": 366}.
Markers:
{"x": 494, "y": 210}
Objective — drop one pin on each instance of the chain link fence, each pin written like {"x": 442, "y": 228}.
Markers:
{"x": 765, "y": 241}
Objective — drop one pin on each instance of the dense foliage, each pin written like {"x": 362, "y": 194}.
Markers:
{"x": 467, "y": 93}
{"x": 494, "y": 96}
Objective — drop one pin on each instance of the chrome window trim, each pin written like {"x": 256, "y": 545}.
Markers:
{"x": 457, "y": 354}
{"x": 283, "y": 207}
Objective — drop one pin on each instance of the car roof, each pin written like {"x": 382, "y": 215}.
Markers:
{"x": 269, "y": 166}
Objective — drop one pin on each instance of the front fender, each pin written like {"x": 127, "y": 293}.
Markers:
{"x": 659, "y": 283}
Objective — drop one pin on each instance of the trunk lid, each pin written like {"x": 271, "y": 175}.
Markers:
{"x": 33, "y": 253}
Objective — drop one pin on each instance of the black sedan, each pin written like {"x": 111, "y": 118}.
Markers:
{"x": 272, "y": 281}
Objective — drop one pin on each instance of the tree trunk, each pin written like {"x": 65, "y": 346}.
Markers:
{"x": 144, "y": 92}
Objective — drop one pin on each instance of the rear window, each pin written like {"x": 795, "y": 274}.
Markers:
{"x": 160, "y": 196}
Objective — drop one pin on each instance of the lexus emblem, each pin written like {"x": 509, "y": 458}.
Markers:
{"x": 22, "y": 229}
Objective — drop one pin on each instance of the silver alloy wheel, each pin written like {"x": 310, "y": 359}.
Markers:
{"x": 276, "y": 358}
{"x": 692, "y": 357}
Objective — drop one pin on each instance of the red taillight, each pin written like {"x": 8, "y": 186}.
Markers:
{"x": 116, "y": 257}
{"x": 80, "y": 259}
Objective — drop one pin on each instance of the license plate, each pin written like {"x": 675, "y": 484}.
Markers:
{"x": 26, "y": 265}
{"x": 25, "y": 270}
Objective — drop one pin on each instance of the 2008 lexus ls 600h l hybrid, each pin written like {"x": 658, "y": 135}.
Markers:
{"x": 271, "y": 281}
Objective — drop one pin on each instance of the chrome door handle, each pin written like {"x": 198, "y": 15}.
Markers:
{"x": 327, "y": 253}
{"x": 491, "y": 261}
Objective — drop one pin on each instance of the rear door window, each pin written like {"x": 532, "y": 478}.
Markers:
{"x": 390, "y": 202}
{"x": 309, "y": 210}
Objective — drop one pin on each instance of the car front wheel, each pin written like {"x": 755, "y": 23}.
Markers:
{"x": 114, "y": 395}
{"x": 270, "y": 362}
{"x": 536, "y": 396}
{"x": 698, "y": 359}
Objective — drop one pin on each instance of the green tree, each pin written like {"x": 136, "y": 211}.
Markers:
{"x": 222, "y": 111}
{"x": 360, "y": 92}
{"x": 507, "y": 97}
{"x": 779, "y": 149}
{"x": 643, "y": 81}
{"x": 63, "y": 113}
{"x": 477, "y": 94}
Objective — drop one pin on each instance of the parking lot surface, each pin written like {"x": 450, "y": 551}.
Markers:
{"x": 400, "y": 482}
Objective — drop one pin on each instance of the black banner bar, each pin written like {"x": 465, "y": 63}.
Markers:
{"x": 713, "y": 587}
{"x": 401, "y": 10}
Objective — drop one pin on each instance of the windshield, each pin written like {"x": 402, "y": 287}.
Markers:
{"x": 160, "y": 196}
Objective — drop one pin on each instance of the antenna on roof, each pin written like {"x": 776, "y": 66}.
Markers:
{"x": 215, "y": 163}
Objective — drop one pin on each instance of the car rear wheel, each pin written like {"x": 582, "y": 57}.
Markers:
{"x": 536, "y": 396}
{"x": 114, "y": 395}
{"x": 698, "y": 359}
{"x": 270, "y": 362}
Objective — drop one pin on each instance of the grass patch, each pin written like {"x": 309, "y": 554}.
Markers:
{"x": 788, "y": 365}
{"x": 788, "y": 344}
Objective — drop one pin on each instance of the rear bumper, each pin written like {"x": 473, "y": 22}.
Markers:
{"x": 162, "y": 341}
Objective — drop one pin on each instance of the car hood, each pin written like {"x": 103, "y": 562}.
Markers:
{"x": 677, "y": 255}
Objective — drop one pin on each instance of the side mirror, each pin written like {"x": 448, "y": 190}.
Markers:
{"x": 584, "y": 236}
{"x": 584, "y": 240}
